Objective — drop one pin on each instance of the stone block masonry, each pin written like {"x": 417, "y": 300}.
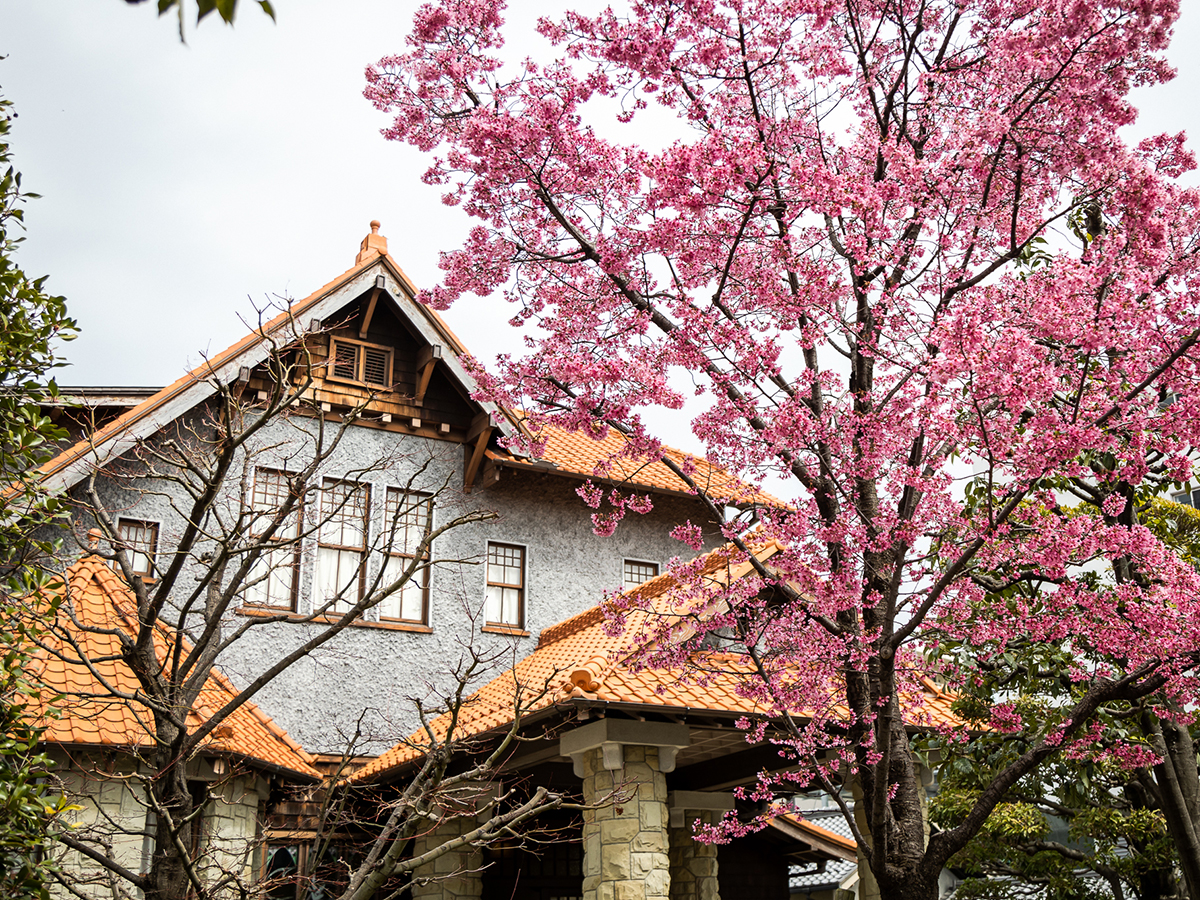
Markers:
{"x": 693, "y": 864}
{"x": 625, "y": 849}
{"x": 456, "y": 875}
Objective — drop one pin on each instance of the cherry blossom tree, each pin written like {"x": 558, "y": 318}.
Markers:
{"x": 903, "y": 257}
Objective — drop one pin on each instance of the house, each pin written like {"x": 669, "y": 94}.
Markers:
{"x": 99, "y": 734}
{"x": 601, "y": 716}
{"x": 375, "y": 388}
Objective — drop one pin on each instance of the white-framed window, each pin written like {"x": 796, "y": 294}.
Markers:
{"x": 1188, "y": 498}
{"x": 636, "y": 572}
{"x": 139, "y": 539}
{"x": 369, "y": 364}
{"x": 505, "y": 601}
{"x": 274, "y": 578}
{"x": 407, "y": 519}
{"x": 344, "y": 511}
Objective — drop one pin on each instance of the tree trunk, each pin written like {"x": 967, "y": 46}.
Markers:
{"x": 1179, "y": 786}
{"x": 171, "y": 795}
{"x": 1160, "y": 883}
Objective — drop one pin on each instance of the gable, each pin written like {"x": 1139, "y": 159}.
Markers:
{"x": 367, "y": 355}
{"x": 401, "y": 364}
{"x": 376, "y": 276}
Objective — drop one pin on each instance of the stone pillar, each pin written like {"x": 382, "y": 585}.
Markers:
{"x": 625, "y": 839}
{"x": 456, "y": 875}
{"x": 693, "y": 864}
{"x": 625, "y": 842}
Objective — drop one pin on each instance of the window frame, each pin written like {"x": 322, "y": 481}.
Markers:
{"x": 625, "y": 585}
{"x": 523, "y": 588}
{"x": 155, "y": 528}
{"x": 360, "y": 363}
{"x": 1187, "y": 497}
{"x": 298, "y": 513}
{"x": 391, "y": 553}
{"x": 322, "y": 521}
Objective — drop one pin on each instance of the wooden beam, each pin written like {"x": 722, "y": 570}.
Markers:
{"x": 481, "y": 431}
{"x": 731, "y": 770}
{"x": 490, "y": 474}
{"x": 481, "y": 423}
{"x": 816, "y": 842}
{"x": 366, "y": 320}
{"x": 426, "y": 359}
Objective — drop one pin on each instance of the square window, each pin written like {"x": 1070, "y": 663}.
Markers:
{"x": 505, "y": 601}
{"x": 407, "y": 519}
{"x": 139, "y": 540}
{"x": 639, "y": 572}
{"x": 367, "y": 364}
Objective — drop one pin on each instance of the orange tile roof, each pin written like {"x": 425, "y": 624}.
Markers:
{"x": 846, "y": 844}
{"x": 88, "y": 713}
{"x": 575, "y": 453}
{"x": 580, "y": 658}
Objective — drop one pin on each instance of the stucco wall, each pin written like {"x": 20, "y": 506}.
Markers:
{"x": 370, "y": 676}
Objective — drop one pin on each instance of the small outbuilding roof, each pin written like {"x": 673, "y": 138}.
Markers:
{"x": 79, "y": 660}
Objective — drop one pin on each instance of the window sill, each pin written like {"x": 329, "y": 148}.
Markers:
{"x": 265, "y": 612}
{"x": 366, "y": 386}
{"x": 510, "y": 630}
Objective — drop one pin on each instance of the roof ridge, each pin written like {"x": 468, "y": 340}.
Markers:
{"x": 593, "y": 615}
{"x": 587, "y": 676}
{"x": 761, "y": 553}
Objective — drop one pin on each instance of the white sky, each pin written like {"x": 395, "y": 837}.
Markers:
{"x": 181, "y": 182}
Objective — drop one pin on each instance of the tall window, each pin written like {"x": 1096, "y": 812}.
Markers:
{"x": 273, "y": 580}
{"x": 341, "y": 543}
{"x": 505, "y": 603}
{"x": 406, "y": 521}
{"x": 139, "y": 540}
{"x": 639, "y": 572}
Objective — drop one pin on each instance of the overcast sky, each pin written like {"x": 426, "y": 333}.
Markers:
{"x": 182, "y": 183}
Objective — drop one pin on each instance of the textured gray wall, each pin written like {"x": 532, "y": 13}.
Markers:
{"x": 373, "y": 676}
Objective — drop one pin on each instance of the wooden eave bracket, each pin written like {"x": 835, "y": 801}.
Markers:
{"x": 482, "y": 427}
{"x": 380, "y": 281}
{"x": 427, "y": 359}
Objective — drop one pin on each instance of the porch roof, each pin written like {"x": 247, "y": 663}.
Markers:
{"x": 588, "y": 657}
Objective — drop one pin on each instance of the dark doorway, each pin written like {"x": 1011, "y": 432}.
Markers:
{"x": 548, "y": 867}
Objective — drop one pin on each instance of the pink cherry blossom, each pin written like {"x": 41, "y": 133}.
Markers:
{"x": 918, "y": 285}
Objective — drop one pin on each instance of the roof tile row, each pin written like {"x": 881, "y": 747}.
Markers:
{"x": 79, "y": 660}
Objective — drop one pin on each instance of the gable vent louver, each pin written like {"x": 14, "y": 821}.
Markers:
{"x": 345, "y": 360}
{"x": 375, "y": 366}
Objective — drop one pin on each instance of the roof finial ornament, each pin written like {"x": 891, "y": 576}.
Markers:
{"x": 373, "y": 244}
